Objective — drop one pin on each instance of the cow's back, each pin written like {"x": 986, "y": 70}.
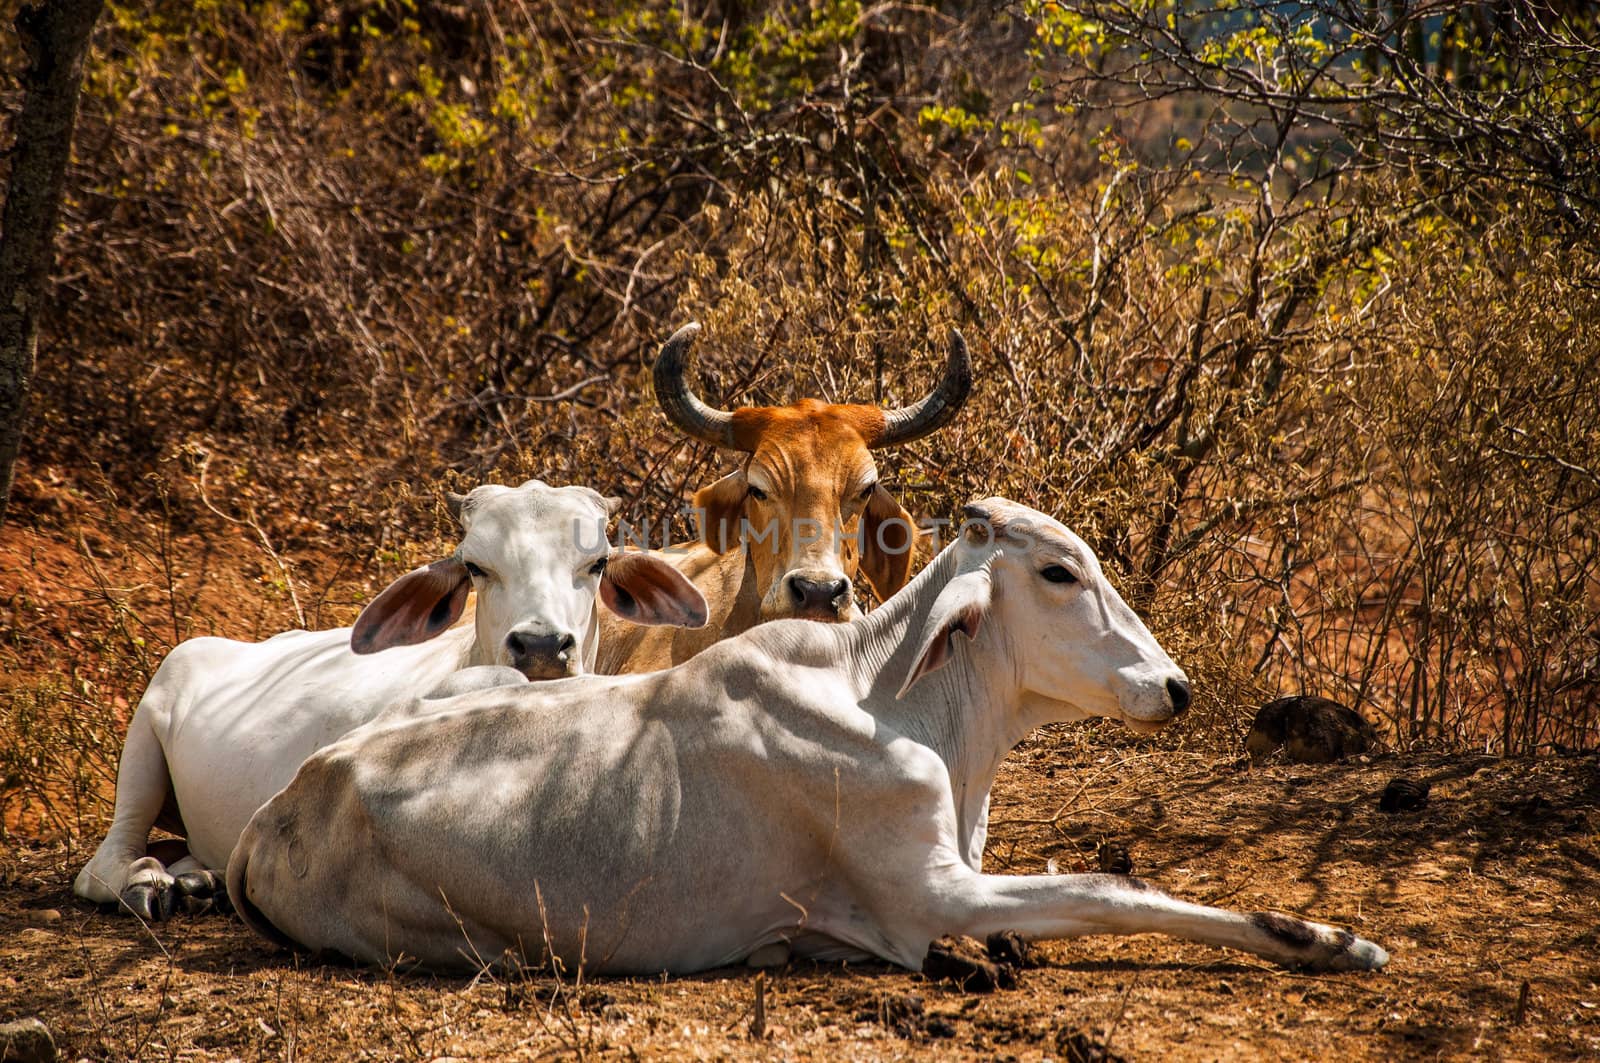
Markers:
{"x": 593, "y": 813}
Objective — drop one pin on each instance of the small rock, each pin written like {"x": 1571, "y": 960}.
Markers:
{"x": 47, "y": 917}
{"x": 26, "y": 1041}
{"x": 964, "y": 961}
{"x": 1404, "y": 795}
{"x": 1310, "y": 729}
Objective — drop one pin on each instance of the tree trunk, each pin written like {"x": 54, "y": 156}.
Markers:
{"x": 54, "y": 36}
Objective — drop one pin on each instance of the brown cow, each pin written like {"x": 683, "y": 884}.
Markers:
{"x": 771, "y": 544}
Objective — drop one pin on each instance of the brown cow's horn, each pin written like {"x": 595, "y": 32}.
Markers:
{"x": 681, "y": 405}
{"x": 940, "y": 405}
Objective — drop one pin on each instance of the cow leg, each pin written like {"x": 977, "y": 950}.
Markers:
{"x": 1063, "y": 906}
{"x": 121, "y": 872}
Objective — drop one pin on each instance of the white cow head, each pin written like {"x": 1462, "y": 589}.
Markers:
{"x": 1078, "y": 648}
{"x": 538, "y": 558}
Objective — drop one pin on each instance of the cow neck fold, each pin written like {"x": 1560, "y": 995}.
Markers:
{"x": 968, "y": 712}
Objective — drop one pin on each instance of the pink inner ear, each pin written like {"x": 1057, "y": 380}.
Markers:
{"x": 647, "y": 590}
{"x": 414, "y": 608}
{"x": 967, "y": 619}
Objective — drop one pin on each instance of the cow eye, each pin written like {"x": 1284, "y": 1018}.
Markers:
{"x": 599, "y": 566}
{"x": 1057, "y": 574}
{"x": 866, "y": 492}
{"x": 474, "y": 571}
{"x": 757, "y": 494}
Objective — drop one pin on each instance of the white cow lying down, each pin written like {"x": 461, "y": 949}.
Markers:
{"x": 816, "y": 785}
{"x": 224, "y": 725}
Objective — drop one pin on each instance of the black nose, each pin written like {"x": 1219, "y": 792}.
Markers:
{"x": 817, "y": 594}
{"x": 1178, "y": 690}
{"x": 541, "y": 650}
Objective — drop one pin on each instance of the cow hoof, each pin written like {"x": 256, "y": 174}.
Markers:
{"x": 200, "y": 883}
{"x": 1360, "y": 955}
{"x": 200, "y": 892}
{"x": 189, "y": 904}
{"x": 153, "y": 904}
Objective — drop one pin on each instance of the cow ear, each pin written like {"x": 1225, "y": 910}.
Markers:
{"x": 888, "y": 543}
{"x": 647, "y": 590}
{"x": 721, "y": 506}
{"x": 961, "y": 606}
{"x": 414, "y": 608}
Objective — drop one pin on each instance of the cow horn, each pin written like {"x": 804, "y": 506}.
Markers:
{"x": 681, "y": 405}
{"x": 940, "y": 404}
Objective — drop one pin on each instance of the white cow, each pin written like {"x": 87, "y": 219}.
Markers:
{"x": 824, "y": 787}
{"x": 224, "y": 725}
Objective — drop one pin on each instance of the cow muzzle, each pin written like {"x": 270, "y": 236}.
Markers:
{"x": 542, "y": 652}
{"x": 815, "y": 595}
{"x": 1165, "y": 699}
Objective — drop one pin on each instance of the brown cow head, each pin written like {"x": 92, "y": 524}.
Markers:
{"x": 807, "y": 502}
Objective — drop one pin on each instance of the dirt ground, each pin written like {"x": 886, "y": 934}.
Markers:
{"x": 1488, "y": 900}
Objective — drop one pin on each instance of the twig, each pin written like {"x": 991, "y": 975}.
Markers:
{"x": 266, "y": 544}
{"x": 758, "y": 1024}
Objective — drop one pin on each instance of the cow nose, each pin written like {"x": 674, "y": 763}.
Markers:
{"x": 540, "y": 654}
{"x": 1178, "y": 690}
{"x": 817, "y": 594}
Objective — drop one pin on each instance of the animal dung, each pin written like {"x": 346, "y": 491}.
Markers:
{"x": 1309, "y": 730}
{"x": 904, "y": 1015}
{"x": 1076, "y": 1046}
{"x": 966, "y": 962}
{"x": 1009, "y": 947}
{"x": 1115, "y": 858}
{"x": 1404, "y": 795}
